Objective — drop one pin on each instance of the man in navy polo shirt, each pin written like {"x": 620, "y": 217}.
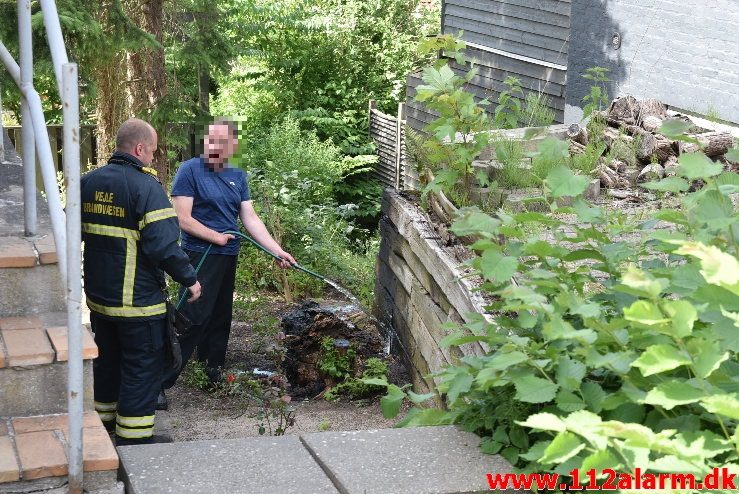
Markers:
{"x": 209, "y": 196}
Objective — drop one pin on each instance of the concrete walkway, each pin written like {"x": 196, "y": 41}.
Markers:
{"x": 424, "y": 460}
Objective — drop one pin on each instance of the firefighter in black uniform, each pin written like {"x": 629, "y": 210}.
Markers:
{"x": 130, "y": 232}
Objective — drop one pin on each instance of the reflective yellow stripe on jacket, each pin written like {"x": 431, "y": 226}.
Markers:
{"x": 131, "y": 236}
{"x": 156, "y": 215}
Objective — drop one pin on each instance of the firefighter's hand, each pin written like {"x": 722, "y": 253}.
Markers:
{"x": 194, "y": 292}
{"x": 287, "y": 259}
{"x": 223, "y": 238}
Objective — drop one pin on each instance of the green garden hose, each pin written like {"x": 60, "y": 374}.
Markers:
{"x": 260, "y": 247}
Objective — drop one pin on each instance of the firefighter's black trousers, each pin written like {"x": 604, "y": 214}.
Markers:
{"x": 210, "y": 315}
{"x": 128, "y": 370}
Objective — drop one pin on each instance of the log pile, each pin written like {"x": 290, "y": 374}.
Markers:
{"x": 633, "y": 149}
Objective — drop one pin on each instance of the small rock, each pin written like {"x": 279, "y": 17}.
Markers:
{"x": 671, "y": 166}
{"x": 649, "y": 173}
{"x": 652, "y": 123}
{"x": 593, "y": 190}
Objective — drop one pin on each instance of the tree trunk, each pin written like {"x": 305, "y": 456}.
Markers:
{"x": 112, "y": 106}
{"x": 204, "y": 90}
{"x": 147, "y": 76}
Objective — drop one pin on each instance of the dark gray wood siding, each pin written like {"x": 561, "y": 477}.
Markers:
{"x": 527, "y": 39}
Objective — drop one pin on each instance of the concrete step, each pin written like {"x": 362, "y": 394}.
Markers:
{"x": 423, "y": 460}
{"x": 29, "y": 275}
{"x": 33, "y": 454}
{"x": 33, "y": 368}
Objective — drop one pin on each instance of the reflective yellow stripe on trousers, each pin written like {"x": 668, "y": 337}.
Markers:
{"x": 134, "y": 427}
{"x": 106, "y": 411}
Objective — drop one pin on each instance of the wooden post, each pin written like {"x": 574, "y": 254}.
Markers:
{"x": 398, "y": 145}
{"x": 2, "y": 133}
{"x": 372, "y": 106}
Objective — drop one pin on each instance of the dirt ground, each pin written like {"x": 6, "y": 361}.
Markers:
{"x": 198, "y": 415}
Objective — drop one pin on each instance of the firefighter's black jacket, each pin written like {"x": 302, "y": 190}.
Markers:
{"x": 130, "y": 233}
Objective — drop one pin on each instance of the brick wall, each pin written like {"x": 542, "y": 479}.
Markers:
{"x": 683, "y": 52}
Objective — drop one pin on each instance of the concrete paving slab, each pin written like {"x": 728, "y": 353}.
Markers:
{"x": 421, "y": 460}
{"x": 260, "y": 465}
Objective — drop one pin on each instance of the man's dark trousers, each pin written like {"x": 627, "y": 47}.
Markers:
{"x": 210, "y": 315}
{"x": 127, "y": 374}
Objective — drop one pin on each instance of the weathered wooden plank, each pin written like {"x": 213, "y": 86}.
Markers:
{"x": 489, "y": 89}
{"x": 445, "y": 273}
{"x": 519, "y": 42}
{"x": 499, "y": 67}
{"x": 512, "y": 17}
{"x": 560, "y": 7}
{"x": 486, "y": 59}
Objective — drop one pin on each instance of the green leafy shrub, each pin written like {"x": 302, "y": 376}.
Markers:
{"x": 324, "y": 60}
{"x": 293, "y": 176}
{"x": 334, "y": 363}
{"x": 356, "y": 388}
{"x": 461, "y": 130}
{"x": 616, "y": 347}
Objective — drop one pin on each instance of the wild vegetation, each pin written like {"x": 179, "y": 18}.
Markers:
{"x": 613, "y": 339}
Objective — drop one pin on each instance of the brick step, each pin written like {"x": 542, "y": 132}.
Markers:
{"x": 33, "y": 454}
{"x": 29, "y": 273}
{"x": 33, "y": 368}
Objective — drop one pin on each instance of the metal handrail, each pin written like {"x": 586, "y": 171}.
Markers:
{"x": 66, "y": 231}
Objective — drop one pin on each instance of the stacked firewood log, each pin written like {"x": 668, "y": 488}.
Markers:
{"x": 630, "y": 149}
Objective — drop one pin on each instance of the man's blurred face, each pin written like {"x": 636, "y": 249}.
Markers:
{"x": 219, "y": 144}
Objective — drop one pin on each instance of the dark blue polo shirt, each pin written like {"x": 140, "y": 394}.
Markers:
{"x": 217, "y": 198}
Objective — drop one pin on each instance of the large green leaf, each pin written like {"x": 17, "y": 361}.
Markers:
{"x": 599, "y": 461}
{"x": 570, "y": 373}
{"x": 733, "y": 155}
{"x": 391, "y": 402}
{"x": 660, "y": 358}
{"x": 474, "y": 222}
{"x": 669, "y": 184}
{"x": 564, "y": 446}
{"x": 682, "y": 317}
{"x": 715, "y": 209}
{"x": 646, "y": 313}
{"x": 532, "y": 389}
{"x": 460, "y": 384}
{"x": 552, "y": 149}
{"x": 707, "y": 356}
{"x": 587, "y": 213}
{"x": 726, "y": 405}
{"x": 562, "y": 182}
{"x": 670, "y": 394}
{"x": 717, "y": 267}
{"x": 559, "y": 329}
{"x": 497, "y": 267}
{"x": 674, "y": 128}
{"x": 697, "y": 165}
{"x": 503, "y": 360}
{"x": 643, "y": 282}
{"x": 568, "y": 401}
{"x": 594, "y": 395}
{"x": 545, "y": 422}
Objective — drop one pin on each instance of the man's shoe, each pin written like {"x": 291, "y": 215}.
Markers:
{"x": 162, "y": 403}
{"x": 214, "y": 375}
{"x": 161, "y": 438}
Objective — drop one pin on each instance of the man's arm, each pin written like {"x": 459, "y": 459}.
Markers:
{"x": 183, "y": 208}
{"x": 254, "y": 225}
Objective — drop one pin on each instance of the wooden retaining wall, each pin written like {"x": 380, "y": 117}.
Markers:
{"x": 418, "y": 289}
